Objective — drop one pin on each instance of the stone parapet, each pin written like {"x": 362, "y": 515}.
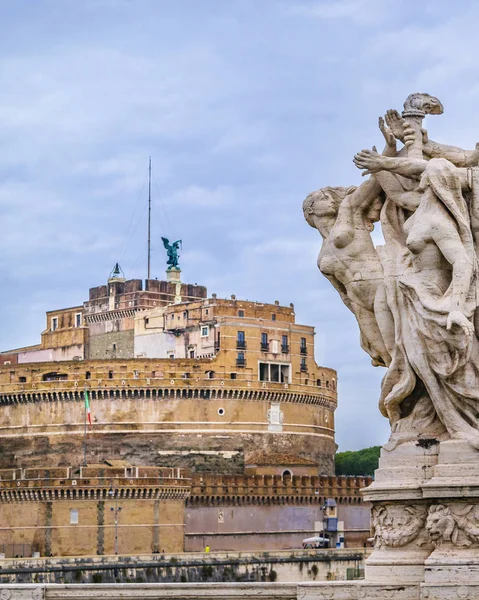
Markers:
{"x": 274, "y": 489}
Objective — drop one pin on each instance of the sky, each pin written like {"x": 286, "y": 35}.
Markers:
{"x": 245, "y": 106}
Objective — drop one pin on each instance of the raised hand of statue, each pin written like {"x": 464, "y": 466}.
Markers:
{"x": 369, "y": 160}
{"x": 395, "y": 123}
{"x": 458, "y": 319}
{"x": 387, "y": 133}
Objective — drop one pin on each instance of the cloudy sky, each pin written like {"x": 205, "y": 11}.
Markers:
{"x": 245, "y": 107}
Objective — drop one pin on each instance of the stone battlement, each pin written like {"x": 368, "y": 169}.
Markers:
{"x": 275, "y": 489}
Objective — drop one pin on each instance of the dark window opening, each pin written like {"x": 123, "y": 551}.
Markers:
{"x": 303, "y": 365}
{"x": 88, "y": 375}
{"x": 274, "y": 373}
{"x": 240, "y": 360}
{"x": 284, "y": 344}
{"x": 232, "y": 375}
{"x": 55, "y": 377}
{"x": 22, "y": 379}
{"x": 264, "y": 341}
{"x": 110, "y": 374}
{"x": 241, "y": 313}
{"x": 240, "y": 340}
{"x": 273, "y": 317}
{"x": 303, "y": 348}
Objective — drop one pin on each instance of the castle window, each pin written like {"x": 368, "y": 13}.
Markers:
{"x": 192, "y": 354}
{"x": 210, "y": 374}
{"x": 232, "y": 375}
{"x": 327, "y": 384}
{"x": 240, "y": 340}
{"x": 77, "y": 319}
{"x": 303, "y": 348}
{"x": 73, "y": 516}
{"x": 304, "y": 368}
{"x": 318, "y": 382}
{"x": 241, "y": 313}
{"x": 205, "y": 331}
{"x": 240, "y": 360}
{"x": 273, "y": 317}
{"x": 135, "y": 374}
{"x": 275, "y": 372}
{"x": 110, "y": 374}
{"x": 88, "y": 375}
{"x": 22, "y": 379}
{"x": 55, "y": 377}
{"x": 54, "y": 326}
{"x": 264, "y": 342}
{"x": 284, "y": 344}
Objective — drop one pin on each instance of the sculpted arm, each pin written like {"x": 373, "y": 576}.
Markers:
{"x": 458, "y": 156}
{"x": 373, "y": 162}
{"x": 447, "y": 239}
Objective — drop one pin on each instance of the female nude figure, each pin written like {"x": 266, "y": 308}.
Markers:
{"x": 344, "y": 217}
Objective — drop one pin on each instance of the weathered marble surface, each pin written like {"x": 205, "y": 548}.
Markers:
{"x": 416, "y": 300}
{"x": 415, "y": 297}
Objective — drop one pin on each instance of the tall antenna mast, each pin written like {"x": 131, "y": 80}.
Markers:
{"x": 149, "y": 218}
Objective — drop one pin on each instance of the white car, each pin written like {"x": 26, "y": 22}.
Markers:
{"x": 317, "y": 541}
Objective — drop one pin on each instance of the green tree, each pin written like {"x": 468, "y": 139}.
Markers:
{"x": 361, "y": 462}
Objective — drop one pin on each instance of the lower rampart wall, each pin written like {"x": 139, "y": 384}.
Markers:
{"x": 166, "y": 568}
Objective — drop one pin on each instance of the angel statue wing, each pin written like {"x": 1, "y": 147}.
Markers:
{"x": 166, "y": 242}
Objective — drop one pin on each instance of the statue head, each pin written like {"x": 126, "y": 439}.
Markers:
{"x": 321, "y": 207}
{"x": 440, "y": 524}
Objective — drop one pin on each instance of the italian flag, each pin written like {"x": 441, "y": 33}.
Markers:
{"x": 87, "y": 406}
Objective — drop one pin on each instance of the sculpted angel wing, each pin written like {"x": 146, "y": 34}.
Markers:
{"x": 177, "y": 244}
{"x": 166, "y": 242}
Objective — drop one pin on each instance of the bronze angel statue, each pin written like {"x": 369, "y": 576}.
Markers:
{"x": 172, "y": 253}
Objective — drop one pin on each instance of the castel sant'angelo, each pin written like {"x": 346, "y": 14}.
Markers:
{"x": 195, "y": 403}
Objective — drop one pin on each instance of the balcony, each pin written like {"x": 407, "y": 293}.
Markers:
{"x": 264, "y": 346}
{"x": 284, "y": 348}
{"x": 241, "y": 344}
{"x": 304, "y": 368}
{"x": 241, "y": 362}
{"x": 303, "y": 350}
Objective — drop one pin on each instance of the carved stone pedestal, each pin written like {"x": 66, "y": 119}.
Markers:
{"x": 425, "y": 518}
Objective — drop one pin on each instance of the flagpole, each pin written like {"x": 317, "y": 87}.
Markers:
{"x": 84, "y": 434}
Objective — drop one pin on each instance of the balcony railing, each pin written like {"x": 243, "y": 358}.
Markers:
{"x": 265, "y": 346}
{"x": 285, "y": 348}
{"x": 241, "y": 362}
{"x": 241, "y": 345}
{"x": 304, "y": 368}
{"x": 303, "y": 350}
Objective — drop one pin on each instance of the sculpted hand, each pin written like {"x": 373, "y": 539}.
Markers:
{"x": 458, "y": 319}
{"x": 387, "y": 133}
{"x": 395, "y": 123}
{"x": 369, "y": 160}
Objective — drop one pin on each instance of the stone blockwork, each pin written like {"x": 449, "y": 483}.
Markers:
{"x": 152, "y": 411}
{"x": 298, "y": 566}
{"x": 92, "y": 510}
